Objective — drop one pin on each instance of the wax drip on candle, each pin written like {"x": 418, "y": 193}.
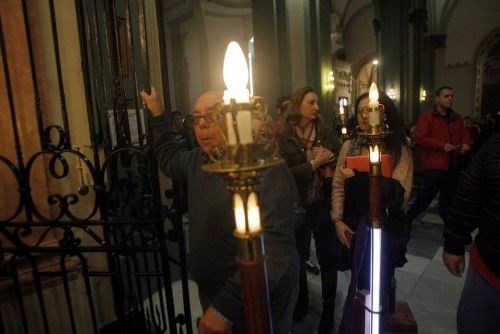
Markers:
{"x": 231, "y": 135}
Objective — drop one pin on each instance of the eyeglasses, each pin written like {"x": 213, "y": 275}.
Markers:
{"x": 363, "y": 110}
{"x": 208, "y": 117}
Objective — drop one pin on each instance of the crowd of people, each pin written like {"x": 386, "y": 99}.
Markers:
{"x": 315, "y": 193}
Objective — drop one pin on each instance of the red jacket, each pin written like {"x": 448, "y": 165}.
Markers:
{"x": 433, "y": 132}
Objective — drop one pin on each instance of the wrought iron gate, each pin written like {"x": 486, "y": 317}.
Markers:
{"x": 83, "y": 246}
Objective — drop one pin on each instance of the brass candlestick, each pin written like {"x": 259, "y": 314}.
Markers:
{"x": 377, "y": 130}
{"x": 248, "y": 147}
{"x": 241, "y": 164}
{"x": 251, "y": 256}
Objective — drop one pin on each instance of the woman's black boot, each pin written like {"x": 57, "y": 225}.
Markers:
{"x": 328, "y": 291}
{"x": 303, "y": 301}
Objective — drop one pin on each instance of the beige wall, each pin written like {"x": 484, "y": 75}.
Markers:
{"x": 359, "y": 38}
{"x": 468, "y": 25}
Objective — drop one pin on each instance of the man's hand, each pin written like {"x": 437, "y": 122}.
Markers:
{"x": 152, "y": 102}
{"x": 454, "y": 263}
{"x": 448, "y": 147}
{"x": 212, "y": 323}
{"x": 463, "y": 148}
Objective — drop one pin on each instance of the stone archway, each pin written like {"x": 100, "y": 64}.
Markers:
{"x": 366, "y": 74}
{"x": 488, "y": 77}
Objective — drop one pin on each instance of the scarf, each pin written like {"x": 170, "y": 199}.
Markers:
{"x": 308, "y": 137}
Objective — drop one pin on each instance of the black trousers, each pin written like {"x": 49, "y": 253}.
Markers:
{"x": 318, "y": 220}
{"x": 327, "y": 245}
{"x": 434, "y": 181}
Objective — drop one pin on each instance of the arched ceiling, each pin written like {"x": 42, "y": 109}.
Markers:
{"x": 231, "y": 3}
{"x": 176, "y": 9}
{"x": 439, "y": 13}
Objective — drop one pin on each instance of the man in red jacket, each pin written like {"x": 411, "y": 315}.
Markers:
{"x": 441, "y": 136}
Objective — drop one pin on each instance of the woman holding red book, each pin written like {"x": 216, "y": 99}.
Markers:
{"x": 349, "y": 210}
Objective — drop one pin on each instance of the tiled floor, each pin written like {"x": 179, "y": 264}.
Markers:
{"x": 431, "y": 292}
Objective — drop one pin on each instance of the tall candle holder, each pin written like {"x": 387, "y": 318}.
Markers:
{"x": 248, "y": 147}
{"x": 374, "y": 136}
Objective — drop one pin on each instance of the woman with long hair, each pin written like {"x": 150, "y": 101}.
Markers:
{"x": 350, "y": 218}
{"x": 310, "y": 148}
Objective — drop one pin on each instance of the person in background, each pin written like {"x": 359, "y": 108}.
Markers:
{"x": 476, "y": 206}
{"x": 442, "y": 137}
{"x": 282, "y": 105}
{"x": 213, "y": 247}
{"x": 309, "y": 148}
{"x": 472, "y": 127}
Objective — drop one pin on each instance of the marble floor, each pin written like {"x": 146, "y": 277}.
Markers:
{"x": 431, "y": 292}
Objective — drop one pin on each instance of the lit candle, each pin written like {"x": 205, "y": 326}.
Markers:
{"x": 244, "y": 122}
{"x": 344, "y": 130}
{"x": 239, "y": 214}
{"x": 373, "y": 114}
{"x": 253, "y": 213}
{"x": 341, "y": 110}
{"x": 231, "y": 136}
{"x": 235, "y": 75}
{"x": 374, "y": 155}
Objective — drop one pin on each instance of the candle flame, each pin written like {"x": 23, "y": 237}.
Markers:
{"x": 239, "y": 214}
{"x": 235, "y": 73}
{"x": 253, "y": 213}
{"x": 374, "y": 154}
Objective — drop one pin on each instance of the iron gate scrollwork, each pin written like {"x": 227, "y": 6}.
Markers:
{"x": 88, "y": 253}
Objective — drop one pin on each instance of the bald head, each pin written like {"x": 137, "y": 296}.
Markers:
{"x": 207, "y": 100}
{"x": 207, "y": 134}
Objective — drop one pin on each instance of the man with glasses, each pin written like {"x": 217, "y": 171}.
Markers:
{"x": 212, "y": 244}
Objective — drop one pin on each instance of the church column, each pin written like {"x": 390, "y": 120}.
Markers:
{"x": 392, "y": 22}
{"x": 433, "y": 54}
{"x": 418, "y": 18}
{"x": 319, "y": 54}
{"x": 271, "y": 69}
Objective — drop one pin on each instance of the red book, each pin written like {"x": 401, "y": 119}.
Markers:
{"x": 361, "y": 164}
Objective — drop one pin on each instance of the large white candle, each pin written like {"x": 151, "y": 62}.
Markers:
{"x": 244, "y": 122}
{"x": 239, "y": 214}
{"x": 373, "y": 114}
{"x": 253, "y": 213}
{"x": 341, "y": 110}
{"x": 373, "y": 96}
{"x": 231, "y": 136}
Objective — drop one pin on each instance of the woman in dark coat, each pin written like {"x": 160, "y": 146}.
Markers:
{"x": 310, "y": 148}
